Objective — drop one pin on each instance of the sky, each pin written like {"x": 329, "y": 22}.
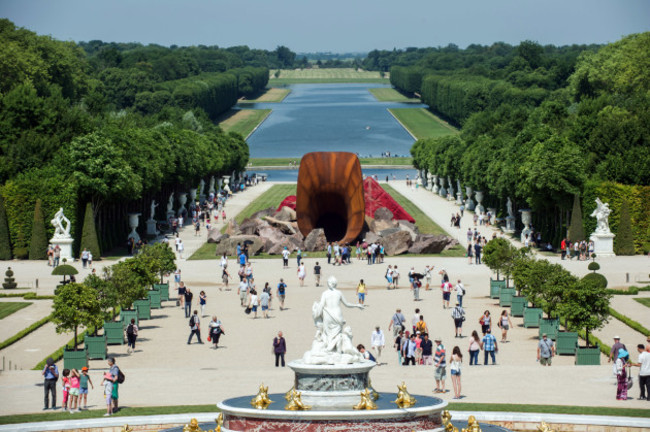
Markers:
{"x": 332, "y": 25}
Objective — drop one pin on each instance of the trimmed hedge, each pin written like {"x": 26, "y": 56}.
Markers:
{"x": 634, "y": 325}
{"x": 38, "y": 243}
{"x": 21, "y": 334}
{"x": 89, "y": 238}
{"x": 632, "y": 290}
{"x": 5, "y": 244}
{"x": 624, "y": 241}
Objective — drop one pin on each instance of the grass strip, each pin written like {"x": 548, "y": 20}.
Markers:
{"x": 271, "y": 95}
{"x": 634, "y": 325}
{"x": 28, "y": 296}
{"x": 644, "y": 301}
{"x": 405, "y": 161}
{"x": 287, "y": 81}
{"x": 384, "y": 94}
{"x": 21, "y": 334}
{"x": 244, "y": 121}
{"x": 421, "y": 123}
{"x": 631, "y": 290}
{"x": 549, "y": 409}
{"x": 422, "y": 221}
{"x": 7, "y": 308}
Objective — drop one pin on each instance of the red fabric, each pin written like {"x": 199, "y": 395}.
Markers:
{"x": 289, "y": 201}
{"x": 375, "y": 197}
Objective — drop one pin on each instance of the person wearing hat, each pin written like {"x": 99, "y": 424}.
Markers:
{"x": 377, "y": 342}
{"x": 613, "y": 354}
{"x": 84, "y": 380}
{"x": 51, "y": 374}
{"x": 545, "y": 351}
{"x": 440, "y": 363}
{"x": 621, "y": 374}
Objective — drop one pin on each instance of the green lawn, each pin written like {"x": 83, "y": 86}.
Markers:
{"x": 268, "y": 96}
{"x": 644, "y": 301}
{"x": 391, "y": 95}
{"x": 422, "y": 221}
{"x": 422, "y": 123}
{"x": 405, "y": 161}
{"x": 243, "y": 121}
{"x": 342, "y": 75}
{"x": 7, "y": 308}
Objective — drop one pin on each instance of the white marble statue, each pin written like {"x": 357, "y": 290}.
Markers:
{"x": 211, "y": 185}
{"x": 333, "y": 340}
{"x": 201, "y": 187}
{"x": 511, "y": 213}
{"x": 601, "y": 213}
{"x": 170, "y": 203}
{"x": 153, "y": 209}
{"x": 61, "y": 225}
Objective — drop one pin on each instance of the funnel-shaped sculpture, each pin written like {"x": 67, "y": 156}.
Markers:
{"x": 330, "y": 195}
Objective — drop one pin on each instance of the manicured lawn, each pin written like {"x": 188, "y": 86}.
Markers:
{"x": 343, "y": 75}
{"x": 391, "y": 95}
{"x": 244, "y": 121}
{"x": 270, "y": 95}
{"x": 364, "y": 161}
{"x": 644, "y": 301}
{"x": 422, "y": 221}
{"x": 422, "y": 123}
{"x": 7, "y": 308}
{"x": 271, "y": 198}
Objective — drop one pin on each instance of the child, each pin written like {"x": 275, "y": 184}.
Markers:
{"x": 65, "y": 382}
{"x": 74, "y": 391}
{"x": 84, "y": 379}
{"x": 108, "y": 391}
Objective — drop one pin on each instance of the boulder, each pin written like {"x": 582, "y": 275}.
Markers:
{"x": 297, "y": 240}
{"x": 232, "y": 228}
{"x": 215, "y": 236}
{"x": 389, "y": 231}
{"x": 284, "y": 226}
{"x": 261, "y": 214}
{"x": 250, "y": 226}
{"x": 285, "y": 214}
{"x": 229, "y": 245}
{"x": 410, "y": 227}
{"x": 397, "y": 243}
{"x": 316, "y": 240}
{"x": 371, "y": 237}
{"x": 383, "y": 214}
{"x": 430, "y": 243}
{"x": 277, "y": 248}
{"x": 379, "y": 225}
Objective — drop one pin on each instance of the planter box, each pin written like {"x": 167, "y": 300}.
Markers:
{"x": 518, "y": 305}
{"x": 566, "y": 343}
{"x": 505, "y": 296}
{"x": 164, "y": 291}
{"x": 495, "y": 287}
{"x": 75, "y": 359}
{"x": 532, "y": 317}
{"x": 96, "y": 346}
{"x": 127, "y": 315}
{"x": 549, "y": 326}
{"x": 154, "y": 299}
{"x": 114, "y": 332}
{"x": 587, "y": 356}
{"x": 144, "y": 308}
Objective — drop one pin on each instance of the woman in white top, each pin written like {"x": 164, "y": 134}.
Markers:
{"x": 301, "y": 274}
{"x": 505, "y": 324}
{"x": 474, "y": 348}
{"x": 253, "y": 302}
{"x": 456, "y": 360}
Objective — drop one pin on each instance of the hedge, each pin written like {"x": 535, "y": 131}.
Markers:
{"x": 634, "y": 325}
{"x": 21, "y": 334}
{"x": 38, "y": 243}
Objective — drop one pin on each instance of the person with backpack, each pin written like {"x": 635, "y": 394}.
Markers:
{"x": 282, "y": 290}
{"x": 195, "y": 326}
{"x": 118, "y": 378}
{"x": 131, "y": 335}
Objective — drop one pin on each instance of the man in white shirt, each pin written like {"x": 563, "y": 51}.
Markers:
{"x": 644, "y": 372}
{"x": 377, "y": 342}
{"x": 243, "y": 291}
{"x": 460, "y": 292}
{"x": 285, "y": 258}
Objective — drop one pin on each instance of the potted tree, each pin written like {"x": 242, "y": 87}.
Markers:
{"x": 552, "y": 291}
{"x": 130, "y": 279}
{"x": 525, "y": 272}
{"x": 95, "y": 343}
{"x": 75, "y": 305}
{"x": 163, "y": 262}
{"x": 495, "y": 254}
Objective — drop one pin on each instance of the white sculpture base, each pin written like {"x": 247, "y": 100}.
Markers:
{"x": 510, "y": 225}
{"x": 65, "y": 244}
{"x": 134, "y": 235}
{"x": 603, "y": 244}
{"x": 459, "y": 198}
{"x": 479, "y": 209}
{"x": 525, "y": 232}
{"x": 151, "y": 228}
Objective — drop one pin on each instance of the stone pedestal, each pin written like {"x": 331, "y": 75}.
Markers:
{"x": 459, "y": 198}
{"x": 151, "y": 228}
{"x": 493, "y": 215}
{"x": 526, "y": 218}
{"x": 479, "y": 209}
{"x": 134, "y": 220}
{"x": 435, "y": 188}
{"x": 510, "y": 224}
{"x": 603, "y": 244}
{"x": 65, "y": 244}
{"x": 442, "y": 191}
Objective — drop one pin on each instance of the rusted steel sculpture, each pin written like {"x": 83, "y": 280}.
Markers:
{"x": 330, "y": 195}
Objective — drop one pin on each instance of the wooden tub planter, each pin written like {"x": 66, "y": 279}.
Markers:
{"x": 550, "y": 326}
{"x": 75, "y": 359}
{"x": 532, "y": 317}
{"x": 587, "y": 356}
{"x": 96, "y": 346}
{"x": 144, "y": 308}
{"x": 518, "y": 305}
{"x": 127, "y": 315}
{"x": 495, "y": 287}
{"x": 154, "y": 299}
{"x": 566, "y": 342}
{"x": 164, "y": 291}
{"x": 505, "y": 297}
{"x": 114, "y": 332}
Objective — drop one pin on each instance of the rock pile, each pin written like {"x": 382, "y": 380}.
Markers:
{"x": 270, "y": 231}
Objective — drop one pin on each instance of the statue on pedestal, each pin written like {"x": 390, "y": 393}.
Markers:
{"x": 211, "y": 185}
{"x": 601, "y": 213}
{"x": 511, "y": 213}
{"x": 170, "y": 204}
{"x": 153, "y": 209}
{"x": 61, "y": 225}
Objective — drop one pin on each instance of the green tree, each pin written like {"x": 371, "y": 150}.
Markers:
{"x": 576, "y": 230}
{"x": 131, "y": 279}
{"x": 38, "y": 243}
{"x": 163, "y": 259}
{"x": 624, "y": 242}
{"x": 75, "y": 305}
{"x": 586, "y": 306}
{"x": 104, "y": 292}
{"x": 89, "y": 238}
{"x": 496, "y": 254}
{"x": 543, "y": 283}
{"x": 5, "y": 242}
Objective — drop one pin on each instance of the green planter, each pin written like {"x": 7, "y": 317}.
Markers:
{"x": 518, "y": 305}
{"x": 587, "y": 356}
{"x": 495, "y": 287}
{"x": 127, "y": 315}
{"x": 532, "y": 317}
{"x": 164, "y": 291}
{"x": 154, "y": 299}
{"x": 144, "y": 308}
{"x": 96, "y": 346}
{"x": 566, "y": 343}
{"x": 550, "y": 326}
{"x": 505, "y": 296}
{"x": 75, "y": 359}
{"x": 114, "y": 332}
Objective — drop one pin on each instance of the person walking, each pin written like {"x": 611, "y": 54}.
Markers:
{"x": 440, "y": 363}
{"x": 285, "y": 257}
{"x": 470, "y": 251}
{"x": 253, "y": 302}
{"x": 621, "y": 375}
{"x": 474, "y": 348}
{"x": 131, "y": 336}
{"x": 188, "y": 296}
{"x": 114, "y": 370}
{"x": 215, "y": 330}
{"x": 455, "y": 368}
{"x": 644, "y": 372}
{"x": 397, "y": 322}
{"x": 202, "y": 300}
{"x": 84, "y": 258}
{"x": 545, "y": 351}
{"x": 477, "y": 252}
{"x": 225, "y": 277}
{"x": 195, "y": 326}
{"x": 458, "y": 314}
{"x": 486, "y": 322}
{"x": 181, "y": 248}
{"x": 504, "y": 323}
{"x": 265, "y": 299}
{"x": 51, "y": 375}
{"x": 409, "y": 351}
{"x": 397, "y": 344}
{"x": 301, "y": 273}
{"x": 317, "y": 273}
{"x": 377, "y": 342}
{"x": 489, "y": 347}
{"x": 282, "y": 291}
{"x": 361, "y": 291}
{"x": 279, "y": 349}
{"x": 427, "y": 350}
{"x": 446, "y": 294}
{"x": 177, "y": 277}
{"x": 460, "y": 292}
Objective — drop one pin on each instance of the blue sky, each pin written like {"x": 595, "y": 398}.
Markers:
{"x": 332, "y": 25}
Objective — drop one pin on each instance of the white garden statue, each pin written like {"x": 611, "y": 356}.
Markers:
{"x": 601, "y": 213}
{"x": 61, "y": 225}
{"x": 153, "y": 209}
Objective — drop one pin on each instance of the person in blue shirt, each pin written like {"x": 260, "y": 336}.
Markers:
{"x": 282, "y": 293}
{"x": 51, "y": 374}
{"x": 242, "y": 259}
{"x": 489, "y": 346}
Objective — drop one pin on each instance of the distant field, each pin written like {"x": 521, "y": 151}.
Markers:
{"x": 391, "y": 95}
{"x": 364, "y": 161}
{"x": 244, "y": 121}
{"x": 270, "y": 95}
{"x": 422, "y": 123}
{"x": 297, "y": 76}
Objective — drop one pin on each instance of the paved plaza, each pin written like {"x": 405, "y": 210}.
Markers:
{"x": 164, "y": 370}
